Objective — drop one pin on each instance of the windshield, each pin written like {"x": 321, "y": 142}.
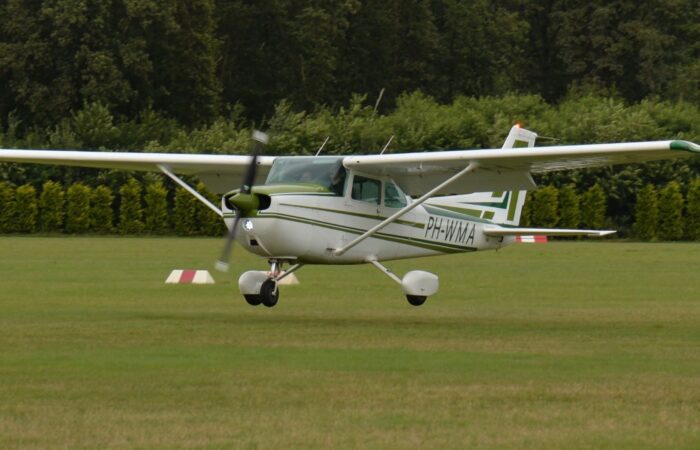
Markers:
{"x": 327, "y": 171}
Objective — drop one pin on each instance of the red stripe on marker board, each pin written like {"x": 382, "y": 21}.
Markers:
{"x": 187, "y": 276}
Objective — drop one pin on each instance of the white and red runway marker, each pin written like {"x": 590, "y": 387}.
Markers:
{"x": 185, "y": 276}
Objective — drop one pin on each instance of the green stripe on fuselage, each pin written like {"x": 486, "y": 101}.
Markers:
{"x": 354, "y": 214}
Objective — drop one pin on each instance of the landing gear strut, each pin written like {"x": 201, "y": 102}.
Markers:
{"x": 416, "y": 284}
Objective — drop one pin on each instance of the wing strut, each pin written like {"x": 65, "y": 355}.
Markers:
{"x": 190, "y": 189}
{"x": 401, "y": 212}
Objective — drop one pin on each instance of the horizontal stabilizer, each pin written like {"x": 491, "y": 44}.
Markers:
{"x": 502, "y": 231}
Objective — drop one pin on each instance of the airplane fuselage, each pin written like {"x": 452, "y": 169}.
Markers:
{"x": 310, "y": 226}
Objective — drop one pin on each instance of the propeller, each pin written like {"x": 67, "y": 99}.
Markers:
{"x": 243, "y": 200}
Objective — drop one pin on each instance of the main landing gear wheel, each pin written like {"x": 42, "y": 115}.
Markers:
{"x": 269, "y": 294}
{"x": 416, "y": 300}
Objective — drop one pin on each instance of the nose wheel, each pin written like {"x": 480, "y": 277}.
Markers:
{"x": 260, "y": 287}
{"x": 269, "y": 294}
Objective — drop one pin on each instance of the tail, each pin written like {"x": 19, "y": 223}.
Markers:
{"x": 498, "y": 207}
{"x": 512, "y": 202}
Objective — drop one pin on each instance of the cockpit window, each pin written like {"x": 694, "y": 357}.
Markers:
{"x": 393, "y": 197}
{"x": 326, "y": 171}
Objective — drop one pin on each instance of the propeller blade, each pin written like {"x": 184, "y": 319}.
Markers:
{"x": 222, "y": 264}
{"x": 249, "y": 177}
{"x": 260, "y": 139}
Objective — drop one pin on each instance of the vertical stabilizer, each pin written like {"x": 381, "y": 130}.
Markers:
{"x": 520, "y": 137}
{"x": 498, "y": 207}
{"x": 517, "y": 138}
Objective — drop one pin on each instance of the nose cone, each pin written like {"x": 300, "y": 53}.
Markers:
{"x": 244, "y": 202}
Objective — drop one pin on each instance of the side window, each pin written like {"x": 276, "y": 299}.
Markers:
{"x": 393, "y": 197}
{"x": 366, "y": 189}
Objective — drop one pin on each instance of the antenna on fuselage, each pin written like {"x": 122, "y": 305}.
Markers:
{"x": 542, "y": 138}
{"x": 320, "y": 149}
{"x": 548, "y": 138}
{"x": 387, "y": 145}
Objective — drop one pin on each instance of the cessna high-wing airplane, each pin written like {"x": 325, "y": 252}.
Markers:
{"x": 370, "y": 208}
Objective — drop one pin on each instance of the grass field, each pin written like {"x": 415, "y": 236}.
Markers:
{"x": 567, "y": 345}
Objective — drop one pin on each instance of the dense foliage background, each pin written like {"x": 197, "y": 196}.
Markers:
{"x": 194, "y": 60}
{"x": 198, "y": 75}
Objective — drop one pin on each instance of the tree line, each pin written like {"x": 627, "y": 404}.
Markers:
{"x": 418, "y": 122}
{"x": 659, "y": 214}
{"x": 194, "y": 61}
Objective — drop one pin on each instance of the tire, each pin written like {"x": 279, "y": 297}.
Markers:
{"x": 416, "y": 300}
{"x": 253, "y": 300}
{"x": 268, "y": 295}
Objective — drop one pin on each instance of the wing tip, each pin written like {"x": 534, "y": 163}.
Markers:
{"x": 685, "y": 146}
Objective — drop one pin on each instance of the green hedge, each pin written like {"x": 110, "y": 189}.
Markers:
{"x": 658, "y": 213}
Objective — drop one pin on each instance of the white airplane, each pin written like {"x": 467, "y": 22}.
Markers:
{"x": 370, "y": 208}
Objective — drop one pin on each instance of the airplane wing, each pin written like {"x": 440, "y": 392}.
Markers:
{"x": 508, "y": 169}
{"x": 416, "y": 173}
{"x": 220, "y": 173}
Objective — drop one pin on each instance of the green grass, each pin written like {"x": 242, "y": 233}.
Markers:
{"x": 567, "y": 345}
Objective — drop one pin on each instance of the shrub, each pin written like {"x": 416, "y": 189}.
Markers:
{"x": 184, "y": 213}
{"x": 51, "y": 207}
{"x": 78, "y": 208}
{"x": 7, "y": 207}
{"x": 208, "y": 222}
{"x": 130, "y": 209}
{"x": 101, "y": 212}
{"x": 26, "y": 209}
{"x": 569, "y": 207}
{"x": 693, "y": 208}
{"x": 646, "y": 213}
{"x": 545, "y": 207}
{"x": 156, "y": 213}
{"x": 671, "y": 212}
{"x": 593, "y": 208}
